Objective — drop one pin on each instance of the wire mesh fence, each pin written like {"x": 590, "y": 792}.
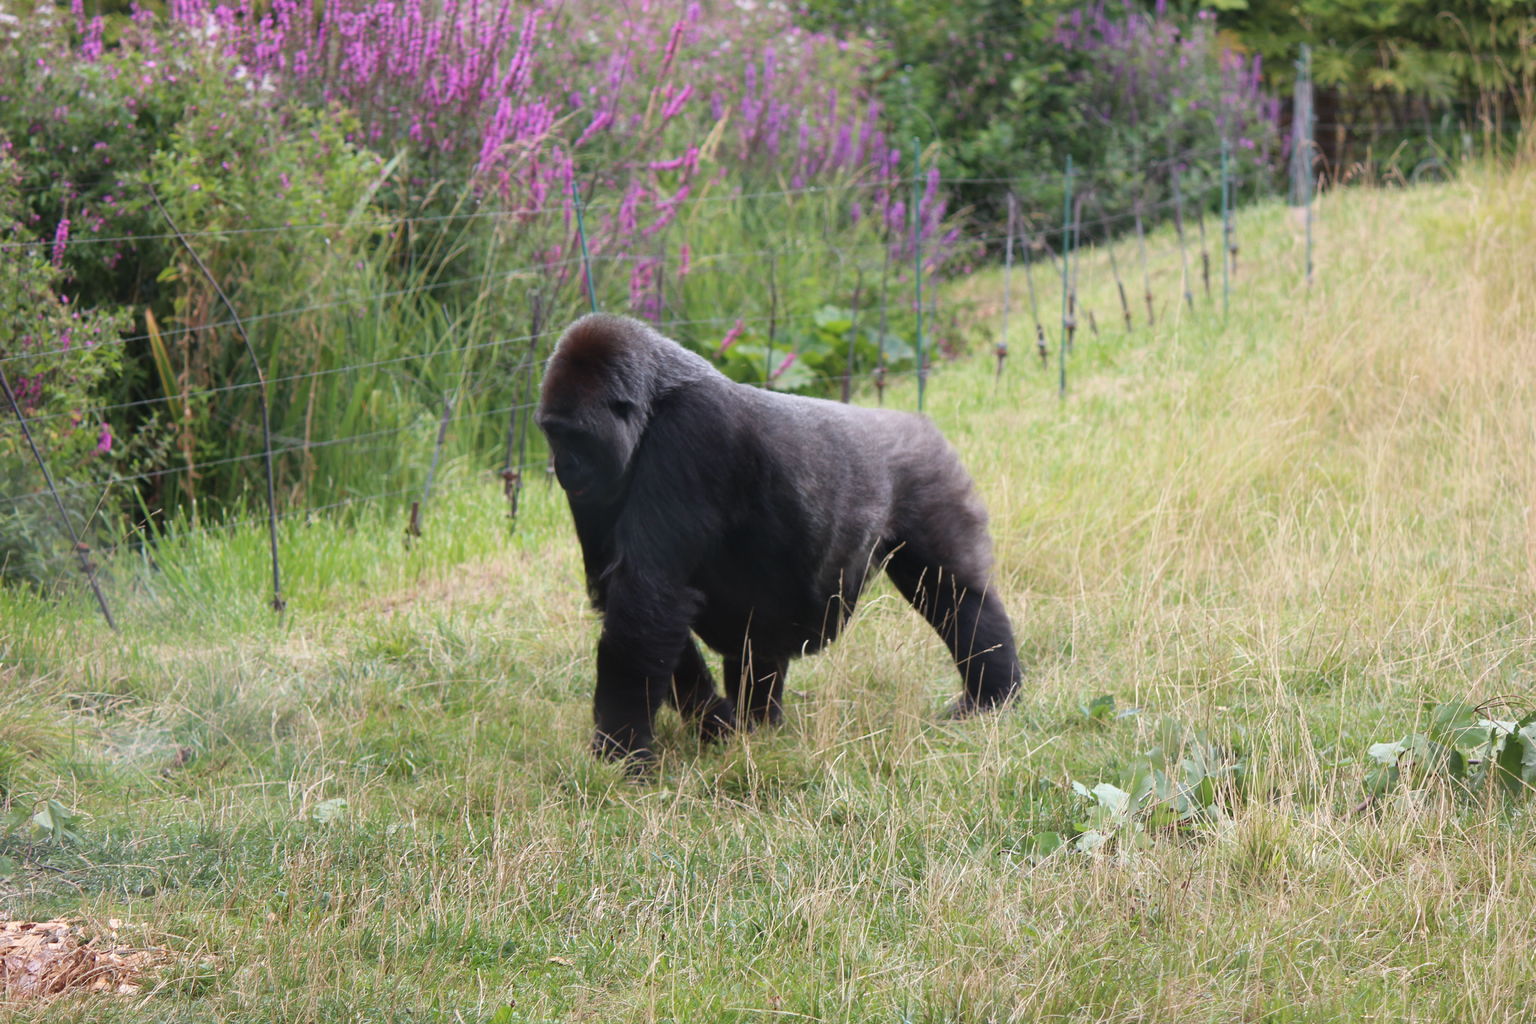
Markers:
{"x": 356, "y": 390}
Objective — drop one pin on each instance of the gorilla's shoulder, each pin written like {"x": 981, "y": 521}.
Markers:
{"x": 876, "y": 425}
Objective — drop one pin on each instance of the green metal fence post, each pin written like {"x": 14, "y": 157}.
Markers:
{"x": 917, "y": 264}
{"x": 586, "y": 257}
{"x": 1226, "y": 225}
{"x": 1066, "y": 273}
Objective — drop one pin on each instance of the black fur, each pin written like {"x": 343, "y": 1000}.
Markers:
{"x": 751, "y": 519}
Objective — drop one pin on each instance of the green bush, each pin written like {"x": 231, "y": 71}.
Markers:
{"x": 83, "y": 132}
{"x": 229, "y": 173}
{"x": 281, "y": 207}
{"x": 1009, "y": 91}
{"x": 58, "y": 360}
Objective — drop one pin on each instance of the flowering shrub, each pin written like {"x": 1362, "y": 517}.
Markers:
{"x": 82, "y": 123}
{"x": 1010, "y": 90}
{"x": 645, "y": 108}
{"x": 1158, "y": 92}
{"x": 56, "y": 358}
{"x": 1166, "y": 78}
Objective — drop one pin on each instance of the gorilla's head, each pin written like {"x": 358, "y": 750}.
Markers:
{"x": 605, "y": 375}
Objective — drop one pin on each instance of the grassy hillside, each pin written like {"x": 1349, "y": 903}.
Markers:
{"x": 1269, "y": 539}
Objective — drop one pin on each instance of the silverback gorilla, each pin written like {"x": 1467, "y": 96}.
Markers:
{"x": 750, "y": 518}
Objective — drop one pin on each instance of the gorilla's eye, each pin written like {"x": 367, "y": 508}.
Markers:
{"x": 622, "y": 409}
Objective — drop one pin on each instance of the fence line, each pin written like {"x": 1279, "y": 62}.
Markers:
{"x": 412, "y": 220}
{"x": 1034, "y": 241}
{"x": 986, "y": 238}
{"x": 600, "y": 204}
{"x": 488, "y": 390}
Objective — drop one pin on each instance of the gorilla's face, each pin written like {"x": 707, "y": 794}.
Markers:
{"x": 594, "y": 407}
{"x": 592, "y": 443}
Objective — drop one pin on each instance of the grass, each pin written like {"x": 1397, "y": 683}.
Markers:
{"x": 1284, "y": 529}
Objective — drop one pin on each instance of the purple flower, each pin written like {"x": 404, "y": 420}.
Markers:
{"x": 599, "y": 122}
{"x": 104, "y": 440}
{"x": 676, "y": 37}
{"x": 676, "y": 104}
{"x": 91, "y": 47}
{"x": 736, "y": 331}
{"x": 60, "y": 241}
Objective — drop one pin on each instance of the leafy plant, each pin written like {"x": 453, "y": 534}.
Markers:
{"x": 813, "y": 358}
{"x": 329, "y": 812}
{"x": 1101, "y": 710}
{"x": 51, "y": 822}
{"x": 58, "y": 360}
{"x": 1464, "y": 746}
{"x": 1183, "y": 783}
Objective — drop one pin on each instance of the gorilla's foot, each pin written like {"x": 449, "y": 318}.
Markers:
{"x": 966, "y": 706}
{"x": 717, "y": 720}
{"x": 638, "y": 759}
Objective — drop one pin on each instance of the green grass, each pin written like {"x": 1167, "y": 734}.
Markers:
{"x": 1286, "y": 530}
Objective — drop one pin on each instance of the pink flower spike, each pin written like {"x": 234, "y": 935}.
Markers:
{"x": 599, "y": 122}
{"x": 60, "y": 241}
{"x": 730, "y": 338}
{"x": 670, "y": 110}
{"x": 104, "y": 440}
{"x": 676, "y": 37}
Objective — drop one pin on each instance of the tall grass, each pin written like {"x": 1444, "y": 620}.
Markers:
{"x": 1285, "y": 530}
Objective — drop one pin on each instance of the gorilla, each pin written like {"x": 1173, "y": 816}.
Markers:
{"x": 752, "y": 519}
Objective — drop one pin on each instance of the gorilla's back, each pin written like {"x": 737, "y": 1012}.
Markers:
{"x": 829, "y": 489}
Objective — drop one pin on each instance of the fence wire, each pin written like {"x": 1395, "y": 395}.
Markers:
{"x": 466, "y": 394}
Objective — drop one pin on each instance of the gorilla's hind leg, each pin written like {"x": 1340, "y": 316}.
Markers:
{"x": 694, "y": 696}
{"x": 759, "y": 688}
{"x": 972, "y": 623}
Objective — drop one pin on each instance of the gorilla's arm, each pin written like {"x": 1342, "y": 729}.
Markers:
{"x": 645, "y": 634}
{"x": 667, "y": 524}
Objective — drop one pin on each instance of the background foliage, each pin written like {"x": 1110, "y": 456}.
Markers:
{"x": 1013, "y": 88}
{"x": 391, "y": 190}
{"x": 1400, "y": 78}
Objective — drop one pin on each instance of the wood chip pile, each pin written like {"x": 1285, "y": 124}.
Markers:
{"x": 47, "y": 958}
